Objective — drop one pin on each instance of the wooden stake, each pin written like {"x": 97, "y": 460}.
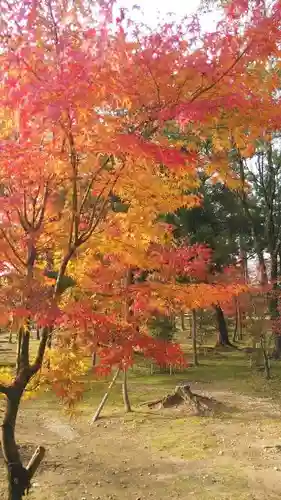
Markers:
{"x": 35, "y": 461}
{"x": 105, "y": 397}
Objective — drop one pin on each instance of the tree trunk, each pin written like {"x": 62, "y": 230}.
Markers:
{"x": 262, "y": 268}
{"x": 234, "y": 337}
{"x": 182, "y": 321}
{"x": 265, "y": 358}
{"x": 273, "y": 305}
{"x": 94, "y": 359}
{"x": 18, "y": 479}
{"x": 125, "y": 393}
{"x": 244, "y": 259}
{"x": 194, "y": 337}
{"x": 239, "y": 320}
{"x": 223, "y": 339}
{"x": 20, "y": 333}
{"x": 200, "y": 327}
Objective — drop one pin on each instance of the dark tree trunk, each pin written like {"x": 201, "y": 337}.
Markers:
{"x": 273, "y": 305}
{"x": 19, "y": 350}
{"x": 94, "y": 359}
{"x": 239, "y": 320}
{"x": 234, "y": 338}
{"x": 223, "y": 339}
{"x": 182, "y": 321}
{"x": 18, "y": 476}
{"x": 194, "y": 337}
{"x": 127, "y": 404}
{"x": 265, "y": 358}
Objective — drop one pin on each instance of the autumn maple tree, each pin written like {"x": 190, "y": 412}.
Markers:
{"x": 86, "y": 169}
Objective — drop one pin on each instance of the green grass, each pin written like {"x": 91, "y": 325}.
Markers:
{"x": 212, "y": 461}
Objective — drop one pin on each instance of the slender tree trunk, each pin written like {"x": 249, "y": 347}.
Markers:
{"x": 125, "y": 392}
{"x": 182, "y": 321}
{"x": 244, "y": 259}
{"x": 94, "y": 359}
{"x": 190, "y": 325}
{"x": 37, "y": 333}
{"x": 273, "y": 305}
{"x": 200, "y": 328}
{"x": 20, "y": 336}
{"x": 234, "y": 338}
{"x": 128, "y": 316}
{"x": 239, "y": 320}
{"x": 223, "y": 339}
{"x": 265, "y": 358}
{"x": 262, "y": 268}
{"x": 194, "y": 337}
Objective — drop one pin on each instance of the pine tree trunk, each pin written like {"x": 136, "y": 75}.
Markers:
{"x": 273, "y": 305}
{"x": 125, "y": 393}
{"x": 194, "y": 337}
{"x": 223, "y": 339}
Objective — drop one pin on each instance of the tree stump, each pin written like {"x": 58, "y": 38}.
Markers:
{"x": 182, "y": 395}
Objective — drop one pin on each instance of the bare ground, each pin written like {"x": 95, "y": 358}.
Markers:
{"x": 156, "y": 454}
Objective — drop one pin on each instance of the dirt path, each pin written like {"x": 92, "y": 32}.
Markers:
{"x": 160, "y": 455}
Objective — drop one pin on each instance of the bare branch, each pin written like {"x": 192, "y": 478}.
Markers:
{"x": 94, "y": 223}
{"x": 91, "y": 182}
{"x": 55, "y": 26}
{"x": 42, "y": 208}
{"x": 11, "y": 246}
{"x": 35, "y": 367}
{"x": 221, "y": 77}
{"x": 73, "y": 231}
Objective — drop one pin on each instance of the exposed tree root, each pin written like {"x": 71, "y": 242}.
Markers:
{"x": 201, "y": 405}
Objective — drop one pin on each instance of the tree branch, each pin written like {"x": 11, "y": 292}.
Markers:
{"x": 73, "y": 233}
{"x": 221, "y": 77}
{"x": 5, "y": 389}
{"x": 92, "y": 180}
{"x": 11, "y": 246}
{"x": 41, "y": 351}
{"x": 42, "y": 209}
{"x": 94, "y": 223}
